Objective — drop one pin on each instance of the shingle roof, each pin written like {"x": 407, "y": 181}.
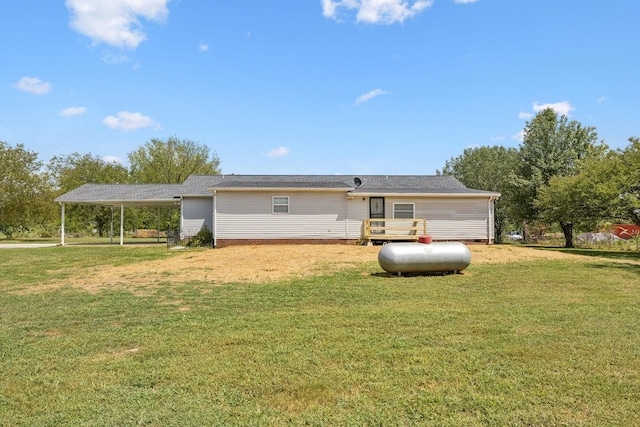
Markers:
{"x": 415, "y": 184}
{"x": 369, "y": 184}
{"x": 115, "y": 194}
{"x": 410, "y": 184}
{"x": 201, "y": 185}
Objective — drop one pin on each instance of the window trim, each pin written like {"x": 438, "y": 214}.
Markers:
{"x": 281, "y": 198}
{"x": 413, "y": 209}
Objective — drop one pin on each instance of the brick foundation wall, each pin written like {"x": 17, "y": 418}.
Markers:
{"x": 470, "y": 242}
{"x": 221, "y": 243}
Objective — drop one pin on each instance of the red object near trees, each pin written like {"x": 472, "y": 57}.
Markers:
{"x": 625, "y": 231}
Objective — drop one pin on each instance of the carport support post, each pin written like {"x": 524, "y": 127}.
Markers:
{"x": 121, "y": 224}
{"x": 158, "y": 233}
{"x": 62, "y": 226}
{"x": 111, "y": 228}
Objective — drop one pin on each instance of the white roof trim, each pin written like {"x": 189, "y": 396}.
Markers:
{"x": 488, "y": 195}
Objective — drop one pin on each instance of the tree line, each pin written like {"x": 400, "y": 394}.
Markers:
{"x": 560, "y": 174}
{"x": 28, "y": 186}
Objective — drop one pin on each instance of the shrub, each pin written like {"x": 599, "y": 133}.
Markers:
{"x": 204, "y": 238}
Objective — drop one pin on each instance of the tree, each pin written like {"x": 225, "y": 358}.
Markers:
{"x": 25, "y": 195}
{"x": 585, "y": 199}
{"x": 629, "y": 185}
{"x": 552, "y": 147}
{"x": 72, "y": 171}
{"x": 171, "y": 161}
{"x": 487, "y": 168}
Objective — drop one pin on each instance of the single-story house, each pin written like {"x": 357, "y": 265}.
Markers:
{"x": 242, "y": 209}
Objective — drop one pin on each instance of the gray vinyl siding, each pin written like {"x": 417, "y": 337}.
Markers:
{"x": 249, "y": 215}
{"x": 196, "y": 213}
{"x": 449, "y": 218}
{"x": 358, "y": 211}
{"x": 456, "y": 219}
{"x": 328, "y": 215}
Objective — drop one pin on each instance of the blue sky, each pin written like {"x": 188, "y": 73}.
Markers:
{"x": 313, "y": 86}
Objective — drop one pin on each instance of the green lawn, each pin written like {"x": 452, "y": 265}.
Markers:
{"x": 535, "y": 343}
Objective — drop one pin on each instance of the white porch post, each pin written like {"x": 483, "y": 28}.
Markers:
{"x": 62, "y": 226}
{"x": 121, "y": 224}
{"x": 491, "y": 221}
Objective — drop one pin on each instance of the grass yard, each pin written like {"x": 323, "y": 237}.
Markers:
{"x": 317, "y": 335}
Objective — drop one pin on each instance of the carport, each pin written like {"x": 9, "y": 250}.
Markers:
{"x": 120, "y": 196}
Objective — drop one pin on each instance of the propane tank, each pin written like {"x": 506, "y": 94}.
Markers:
{"x": 438, "y": 257}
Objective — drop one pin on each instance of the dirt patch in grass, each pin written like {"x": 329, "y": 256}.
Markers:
{"x": 262, "y": 263}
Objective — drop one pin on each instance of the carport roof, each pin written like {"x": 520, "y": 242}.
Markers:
{"x": 142, "y": 195}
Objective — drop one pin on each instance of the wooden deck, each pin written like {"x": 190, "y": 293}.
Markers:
{"x": 388, "y": 229}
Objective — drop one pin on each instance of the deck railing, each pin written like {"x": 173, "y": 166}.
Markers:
{"x": 393, "y": 229}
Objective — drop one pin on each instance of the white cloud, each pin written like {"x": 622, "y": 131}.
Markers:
{"x": 519, "y": 136}
{"x": 279, "y": 152}
{"x": 113, "y": 59}
{"x": 203, "y": 47}
{"x": 602, "y": 99}
{"x": 369, "y": 96}
{"x": 73, "y": 111}
{"x": 112, "y": 159}
{"x": 115, "y": 22}
{"x": 127, "y": 121}
{"x": 329, "y": 8}
{"x": 376, "y": 11}
{"x": 563, "y": 108}
{"x": 33, "y": 85}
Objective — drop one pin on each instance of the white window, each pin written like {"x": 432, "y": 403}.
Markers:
{"x": 403, "y": 210}
{"x": 280, "y": 204}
